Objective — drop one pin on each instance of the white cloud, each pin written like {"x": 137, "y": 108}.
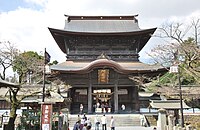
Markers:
{"x": 38, "y": 2}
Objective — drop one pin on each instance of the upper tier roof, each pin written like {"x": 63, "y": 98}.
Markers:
{"x": 108, "y": 26}
{"x": 101, "y": 24}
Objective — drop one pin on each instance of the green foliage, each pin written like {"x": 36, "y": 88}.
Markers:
{"x": 55, "y": 62}
{"x": 27, "y": 62}
{"x": 190, "y": 41}
{"x": 30, "y": 119}
{"x": 168, "y": 78}
{"x": 171, "y": 79}
{"x": 187, "y": 56}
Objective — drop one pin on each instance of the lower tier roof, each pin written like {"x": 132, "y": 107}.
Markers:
{"x": 121, "y": 67}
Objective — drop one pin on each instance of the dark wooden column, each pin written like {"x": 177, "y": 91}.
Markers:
{"x": 90, "y": 94}
{"x": 135, "y": 107}
{"x": 131, "y": 97}
{"x": 137, "y": 102}
{"x": 116, "y": 94}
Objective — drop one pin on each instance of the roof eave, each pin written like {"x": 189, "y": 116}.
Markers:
{"x": 109, "y": 64}
{"x": 59, "y": 35}
{"x": 63, "y": 32}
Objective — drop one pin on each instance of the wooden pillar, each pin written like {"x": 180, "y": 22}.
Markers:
{"x": 137, "y": 103}
{"x": 131, "y": 97}
{"x": 116, "y": 95}
{"x": 176, "y": 115}
{"x": 90, "y": 95}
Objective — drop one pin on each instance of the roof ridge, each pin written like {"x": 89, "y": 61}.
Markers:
{"x": 113, "y": 17}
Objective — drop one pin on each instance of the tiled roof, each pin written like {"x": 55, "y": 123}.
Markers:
{"x": 145, "y": 94}
{"x": 101, "y": 24}
{"x": 123, "y": 67}
{"x": 168, "y": 104}
{"x": 4, "y": 83}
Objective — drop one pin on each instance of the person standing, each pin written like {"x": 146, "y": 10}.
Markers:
{"x": 106, "y": 107}
{"x": 123, "y": 107}
{"x": 103, "y": 122}
{"x": 112, "y": 123}
{"x": 102, "y": 107}
{"x": 81, "y": 108}
{"x": 85, "y": 117}
{"x": 98, "y": 104}
{"x": 96, "y": 122}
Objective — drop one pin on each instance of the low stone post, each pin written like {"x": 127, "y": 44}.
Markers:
{"x": 161, "y": 119}
{"x": 171, "y": 122}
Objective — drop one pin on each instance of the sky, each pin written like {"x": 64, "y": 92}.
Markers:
{"x": 25, "y": 22}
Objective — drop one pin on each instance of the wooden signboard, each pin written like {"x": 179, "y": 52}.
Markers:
{"x": 46, "y": 116}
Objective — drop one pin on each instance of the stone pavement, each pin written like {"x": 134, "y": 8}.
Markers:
{"x": 126, "y": 128}
{"x": 133, "y": 128}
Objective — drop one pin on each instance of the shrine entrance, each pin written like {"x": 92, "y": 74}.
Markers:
{"x": 102, "y": 100}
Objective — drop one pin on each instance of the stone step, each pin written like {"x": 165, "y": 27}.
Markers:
{"x": 120, "y": 119}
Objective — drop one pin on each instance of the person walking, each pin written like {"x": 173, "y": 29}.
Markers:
{"x": 112, "y": 123}
{"x": 96, "y": 122}
{"x": 89, "y": 123}
{"x": 77, "y": 126}
{"x": 82, "y": 122}
{"x": 79, "y": 118}
{"x": 84, "y": 126}
{"x": 103, "y": 122}
{"x": 85, "y": 117}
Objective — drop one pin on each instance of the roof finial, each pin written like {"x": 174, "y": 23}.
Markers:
{"x": 68, "y": 18}
{"x": 103, "y": 56}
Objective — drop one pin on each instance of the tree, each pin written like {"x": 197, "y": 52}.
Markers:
{"x": 24, "y": 64}
{"x": 28, "y": 64}
{"x": 182, "y": 48}
{"x": 16, "y": 93}
{"x": 7, "y": 53}
{"x": 142, "y": 81}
